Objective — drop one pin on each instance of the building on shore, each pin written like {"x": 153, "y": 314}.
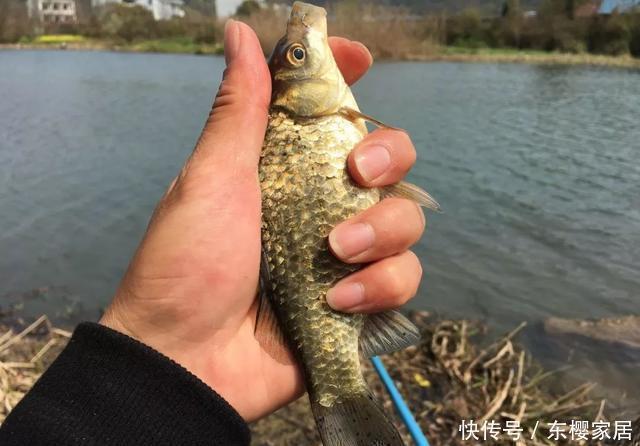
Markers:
{"x": 161, "y": 9}
{"x": 54, "y": 11}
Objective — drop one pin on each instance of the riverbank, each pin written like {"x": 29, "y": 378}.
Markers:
{"x": 453, "y": 375}
{"x": 167, "y": 46}
{"x": 448, "y": 377}
{"x": 436, "y": 54}
{"x": 26, "y": 350}
{"x": 484, "y": 55}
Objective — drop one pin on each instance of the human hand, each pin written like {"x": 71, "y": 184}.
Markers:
{"x": 189, "y": 291}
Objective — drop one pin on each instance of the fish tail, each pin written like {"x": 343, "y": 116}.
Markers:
{"x": 357, "y": 421}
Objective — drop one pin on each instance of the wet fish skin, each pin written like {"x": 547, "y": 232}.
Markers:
{"x": 306, "y": 192}
{"x": 303, "y": 199}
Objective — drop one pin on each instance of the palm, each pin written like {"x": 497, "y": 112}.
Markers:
{"x": 222, "y": 261}
{"x": 210, "y": 271}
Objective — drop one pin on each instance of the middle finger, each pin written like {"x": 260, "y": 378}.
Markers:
{"x": 387, "y": 228}
{"x": 383, "y": 157}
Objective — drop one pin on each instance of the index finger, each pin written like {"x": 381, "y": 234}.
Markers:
{"x": 352, "y": 57}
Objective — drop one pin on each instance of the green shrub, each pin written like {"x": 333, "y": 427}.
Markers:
{"x": 634, "y": 34}
{"x": 465, "y": 27}
{"x": 174, "y": 27}
{"x": 14, "y": 21}
{"x": 609, "y": 35}
{"x": 247, "y": 8}
{"x": 127, "y": 22}
{"x": 207, "y": 32}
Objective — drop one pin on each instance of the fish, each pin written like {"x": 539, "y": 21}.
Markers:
{"x": 314, "y": 122}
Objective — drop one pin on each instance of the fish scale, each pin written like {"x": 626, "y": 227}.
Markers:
{"x": 314, "y": 123}
{"x": 303, "y": 199}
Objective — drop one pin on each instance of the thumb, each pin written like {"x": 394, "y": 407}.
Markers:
{"x": 233, "y": 134}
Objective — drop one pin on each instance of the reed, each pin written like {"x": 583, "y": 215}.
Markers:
{"x": 389, "y": 33}
{"x": 448, "y": 377}
{"x": 451, "y": 376}
{"x": 24, "y": 355}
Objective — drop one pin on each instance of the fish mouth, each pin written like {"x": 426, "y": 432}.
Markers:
{"x": 304, "y": 18}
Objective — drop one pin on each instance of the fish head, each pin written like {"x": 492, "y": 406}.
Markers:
{"x": 306, "y": 80}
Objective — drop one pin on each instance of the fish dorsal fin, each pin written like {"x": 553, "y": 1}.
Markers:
{"x": 387, "y": 332}
{"x": 267, "y": 331}
{"x": 403, "y": 189}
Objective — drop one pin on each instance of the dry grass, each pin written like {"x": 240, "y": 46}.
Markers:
{"x": 385, "y": 31}
{"x": 392, "y": 33}
{"x": 269, "y": 25}
{"x": 530, "y": 57}
{"x": 447, "y": 378}
{"x": 389, "y": 33}
{"x": 24, "y": 355}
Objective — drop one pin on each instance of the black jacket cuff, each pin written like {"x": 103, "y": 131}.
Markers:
{"x": 106, "y": 388}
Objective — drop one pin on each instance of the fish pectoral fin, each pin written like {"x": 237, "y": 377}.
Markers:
{"x": 267, "y": 331}
{"x": 403, "y": 189}
{"x": 355, "y": 421}
{"x": 353, "y": 114}
{"x": 387, "y": 332}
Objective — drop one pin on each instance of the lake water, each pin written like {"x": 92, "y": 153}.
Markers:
{"x": 537, "y": 169}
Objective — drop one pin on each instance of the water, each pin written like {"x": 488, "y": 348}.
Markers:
{"x": 537, "y": 169}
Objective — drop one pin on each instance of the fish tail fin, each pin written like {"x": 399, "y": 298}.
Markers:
{"x": 357, "y": 421}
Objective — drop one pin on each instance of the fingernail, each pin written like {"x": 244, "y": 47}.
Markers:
{"x": 344, "y": 296}
{"x": 231, "y": 40}
{"x": 349, "y": 240}
{"x": 372, "y": 161}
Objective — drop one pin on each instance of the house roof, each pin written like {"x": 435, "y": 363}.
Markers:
{"x": 609, "y": 6}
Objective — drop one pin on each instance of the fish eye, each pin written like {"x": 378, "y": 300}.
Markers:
{"x": 296, "y": 54}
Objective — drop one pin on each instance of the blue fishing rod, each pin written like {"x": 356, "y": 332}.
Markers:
{"x": 402, "y": 408}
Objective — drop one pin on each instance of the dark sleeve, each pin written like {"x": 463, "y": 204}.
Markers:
{"x": 108, "y": 389}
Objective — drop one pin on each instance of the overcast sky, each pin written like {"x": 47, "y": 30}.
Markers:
{"x": 227, "y": 7}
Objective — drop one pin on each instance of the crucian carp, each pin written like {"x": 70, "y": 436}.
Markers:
{"x": 314, "y": 122}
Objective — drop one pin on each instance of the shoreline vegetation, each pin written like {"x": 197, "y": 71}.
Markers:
{"x": 559, "y": 32}
{"x": 437, "y": 54}
{"x": 450, "y": 376}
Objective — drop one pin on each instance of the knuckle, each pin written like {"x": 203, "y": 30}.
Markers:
{"x": 405, "y": 221}
{"x": 422, "y": 220}
{"x": 409, "y": 155}
{"x": 395, "y": 287}
{"x": 417, "y": 267}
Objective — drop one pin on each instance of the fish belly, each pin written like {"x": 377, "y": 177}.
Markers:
{"x": 306, "y": 191}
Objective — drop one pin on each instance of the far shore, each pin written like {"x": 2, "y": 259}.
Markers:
{"x": 442, "y": 54}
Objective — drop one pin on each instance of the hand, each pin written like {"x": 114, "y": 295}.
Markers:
{"x": 190, "y": 289}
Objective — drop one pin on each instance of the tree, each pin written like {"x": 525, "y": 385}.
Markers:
{"x": 127, "y": 22}
{"x": 634, "y": 29}
{"x": 248, "y": 7}
{"x": 204, "y": 7}
{"x": 14, "y": 20}
{"x": 511, "y": 8}
{"x": 570, "y": 9}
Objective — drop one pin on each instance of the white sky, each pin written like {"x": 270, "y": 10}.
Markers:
{"x": 227, "y": 7}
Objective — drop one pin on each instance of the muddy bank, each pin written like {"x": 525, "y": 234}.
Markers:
{"x": 450, "y": 376}
{"x": 623, "y": 330}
